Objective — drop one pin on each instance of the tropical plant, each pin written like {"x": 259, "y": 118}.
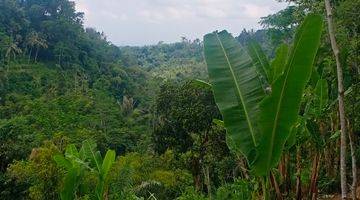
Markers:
{"x": 258, "y": 124}
{"x": 12, "y": 50}
{"x": 35, "y": 40}
{"x": 73, "y": 163}
{"x": 98, "y": 164}
{"x": 77, "y": 162}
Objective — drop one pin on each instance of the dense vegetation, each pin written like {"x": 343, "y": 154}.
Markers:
{"x": 81, "y": 118}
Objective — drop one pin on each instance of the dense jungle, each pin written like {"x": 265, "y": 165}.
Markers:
{"x": 272, "y": 113}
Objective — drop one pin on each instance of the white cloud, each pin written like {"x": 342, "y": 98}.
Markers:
{"x": 149, "y": 21}
{"x": 255, "y": 11}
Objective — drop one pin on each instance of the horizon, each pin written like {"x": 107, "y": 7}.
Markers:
{"x": 125, "y": 23}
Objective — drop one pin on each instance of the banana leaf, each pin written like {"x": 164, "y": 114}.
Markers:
{"x": 279, "y": 110}
{"x": 237, "y": 89}
{"x": 260, "y": 61}
{"x": 279, "y": 62}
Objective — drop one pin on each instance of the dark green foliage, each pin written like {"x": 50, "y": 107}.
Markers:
{"x": 182, "y": 110}
{"x": 62, "y": 83}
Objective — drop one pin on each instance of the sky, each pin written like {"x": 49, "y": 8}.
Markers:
{"x": 146, "y": 22}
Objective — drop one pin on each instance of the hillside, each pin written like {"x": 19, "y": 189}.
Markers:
{"x": 83, "y": 118}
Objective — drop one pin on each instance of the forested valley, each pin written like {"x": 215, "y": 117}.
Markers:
{"x": 260, "y": 114}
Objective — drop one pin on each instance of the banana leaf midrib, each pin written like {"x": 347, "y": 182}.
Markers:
{"x": 238, "y": 89}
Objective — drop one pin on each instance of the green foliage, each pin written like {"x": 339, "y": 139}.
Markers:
{"x": 239, "y": 189}
{"x": 39, "y": 172}
{"x": 65, "y": 84}
{"x": 76, "y": 162}
{"x": 176, "y": 61}
{"x": 279, "y": 110}
{"x": 236, "y": 88}
{"x": 143, "y": 174}
{"x": 260, "y": 61}
{"x": 279, "y": 62}
{"x": 236, "y": 83}
{"x": 321, "y": 96}
{"x": 180, "y": 114}
{"x": 191, "y": 194}
{"x": 75, "y": 168}
{"x": 281, "y": 25}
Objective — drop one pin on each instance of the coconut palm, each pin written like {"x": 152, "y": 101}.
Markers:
{"x": 12, "y": 50}
{"x": 35, "y": 40}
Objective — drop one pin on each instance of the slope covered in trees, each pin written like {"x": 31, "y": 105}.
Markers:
{"x": 68, "y": 97}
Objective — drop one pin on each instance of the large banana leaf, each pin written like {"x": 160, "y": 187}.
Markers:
{"x": 108, "y": 161}
{"x": 89, "y": 151}
{"x": 279, "y": 110}
{"x": 70, "y": 185}
{"x": 260, "y": 61}
{"x": 237, "y": 89}
{"x": 279, "y": 62}
{"x": 62, "y": 162}
{"x": 71, "y": 151}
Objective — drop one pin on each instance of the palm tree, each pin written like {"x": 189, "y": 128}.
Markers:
{"x": 35, "y": 40}
{"x": 12, "y": 50}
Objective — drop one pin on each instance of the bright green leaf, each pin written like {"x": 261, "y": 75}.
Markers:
{"x": 279, "y": 111}
{"x": 237, "y": 89}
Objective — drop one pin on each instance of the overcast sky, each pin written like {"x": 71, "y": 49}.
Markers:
{"x": 144, "y": 22}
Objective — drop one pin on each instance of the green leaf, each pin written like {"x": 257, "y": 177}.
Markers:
{"x": 237, "y": 89}
{"x": 71, "y": 151}
{"x": 260, "y": 60}
{"x": 279, "y": 62}
{"x": 106, "y": 165}
{"x": 279, "y": 110}
{"x": 314, "y": 78}
{"x": 321, "y": 96}
{"x": 219, "y": 122}
{"x": 62, "y": 162}
{"x": 202, "y": 83}
{"x": 70, "y": 185}
{"x": 335, "y": 136}
{"x": 298, "y": 131}
{"x": 291, "y": 140}
{"x": 108, "y": 162}
{"x": 88, "y": 149}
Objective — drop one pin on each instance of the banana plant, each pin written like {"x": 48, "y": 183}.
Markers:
{"x": 77, "y": 162}
{"x": 73, "y": 163}
{"x": 259, "y": 122}
{"x": 99, "y": 165}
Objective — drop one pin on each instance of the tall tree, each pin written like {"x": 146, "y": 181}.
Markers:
{"x": 340, "y": 99}
{"x": 12, "y": 50}
{"x": 35, "y": 40}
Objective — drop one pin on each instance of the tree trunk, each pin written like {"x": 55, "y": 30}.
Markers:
{"x": 283, "y": 169}
{"x": 314, "y": 175}
{"x": 8, "y": 64}
{"x": 287, "y": 173}
{"x": 353, "y": 162}
{"x": 207, "y": 180}
{"x": 315, "y": 193}
{"x": 298, "y": 173}
{"x": 275, "y": 186}
{"x": 341, "y": 101}
{"x": 29, "y": 55}
{"x": 37, "y": 52}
